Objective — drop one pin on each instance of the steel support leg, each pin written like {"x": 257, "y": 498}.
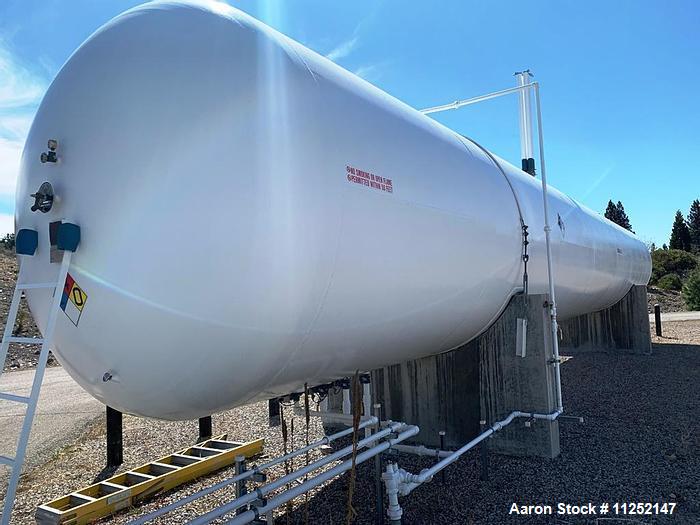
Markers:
{"x": 205, "y": 430}
{"x": 115, "y": 444}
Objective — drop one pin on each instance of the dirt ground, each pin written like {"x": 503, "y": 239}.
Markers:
{"x": 639, "y": 442}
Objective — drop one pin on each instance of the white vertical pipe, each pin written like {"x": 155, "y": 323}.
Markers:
{"x": 521, "y": 117}
{"x": 525, "y": 113}
{"x": 346, "y": 401}
{"x": 391, "y": 483}
{"x": 367, "y": 404}
{"x": 550, "y": 271}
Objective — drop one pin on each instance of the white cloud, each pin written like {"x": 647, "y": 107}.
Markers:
{"x": 10, "y": 154}
{"x": 343, "y": 49}
{"x": 20, "y": 93}
{"x": 19, "y": 87}
{"x": 369, "y": 72}
{"x": 16, "y": 126}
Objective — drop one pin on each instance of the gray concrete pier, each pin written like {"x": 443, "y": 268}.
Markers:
{"x": 488, "y": 378}
{"x": 622, "y": 327}
{"x": 482, "y": 380}
{"x": 509, "y": 380}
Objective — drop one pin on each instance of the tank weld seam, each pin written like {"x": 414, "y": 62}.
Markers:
{"x": 523, "y": 226}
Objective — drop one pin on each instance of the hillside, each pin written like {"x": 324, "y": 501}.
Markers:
{"x": 669, "y": 300}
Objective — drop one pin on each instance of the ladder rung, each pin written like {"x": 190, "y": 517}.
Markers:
{"x": 13, "y": 397}
{"x": 26, "y": 340}
{"x": 33, "y": 286}
{"x": 7, "y": 461}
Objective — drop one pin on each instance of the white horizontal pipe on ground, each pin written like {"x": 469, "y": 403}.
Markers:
{"x": 411, "y": 481}
{"x": 422, "y": 450}
{"x": 292, "y": 493}
{"x": 266, "y": 489}
{"x": 209, "y": 490}
{"x": 333, "y": 417}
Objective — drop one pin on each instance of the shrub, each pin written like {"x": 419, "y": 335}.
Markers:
{"x": 670, "y": 281}
{"x": 691, "y": 291}
{"x": 8, "y": 241}
{"x": 671, "y": 261}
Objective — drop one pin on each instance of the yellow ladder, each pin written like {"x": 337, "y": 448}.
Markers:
{"x": 124, "y": 490}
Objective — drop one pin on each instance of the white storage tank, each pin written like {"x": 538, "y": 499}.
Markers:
{"x": 255, "y": 217}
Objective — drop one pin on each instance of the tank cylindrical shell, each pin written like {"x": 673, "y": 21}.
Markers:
{"x": 255, "y": 217}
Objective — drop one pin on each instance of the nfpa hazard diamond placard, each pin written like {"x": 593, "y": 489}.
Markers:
{"x": 73, "y": 300}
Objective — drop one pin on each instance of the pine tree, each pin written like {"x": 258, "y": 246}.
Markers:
{"x": 622, "y": 218}
{"x": 616, "y": 213}
{"x": 694, "y": 225}
{"x": 680, "y": 235}
{"x": 611, "y": 212}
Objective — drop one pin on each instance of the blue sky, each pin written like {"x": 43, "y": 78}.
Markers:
{"x": 619, "y": 80}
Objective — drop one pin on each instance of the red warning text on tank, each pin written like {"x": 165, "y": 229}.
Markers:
{"x": 368, "y": 179}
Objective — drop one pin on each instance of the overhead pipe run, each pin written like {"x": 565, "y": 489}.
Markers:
{"x": 468, "y": 101}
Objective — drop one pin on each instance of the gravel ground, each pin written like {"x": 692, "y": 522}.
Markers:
{"x": 19, "y": 356}
{"x": 639, "y": 443}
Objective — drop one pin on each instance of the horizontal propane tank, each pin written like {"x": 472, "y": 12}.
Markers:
{"x": 254, "y": 217}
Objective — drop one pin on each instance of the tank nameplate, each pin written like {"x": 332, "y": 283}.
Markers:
{"x": 73, "y": 300}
